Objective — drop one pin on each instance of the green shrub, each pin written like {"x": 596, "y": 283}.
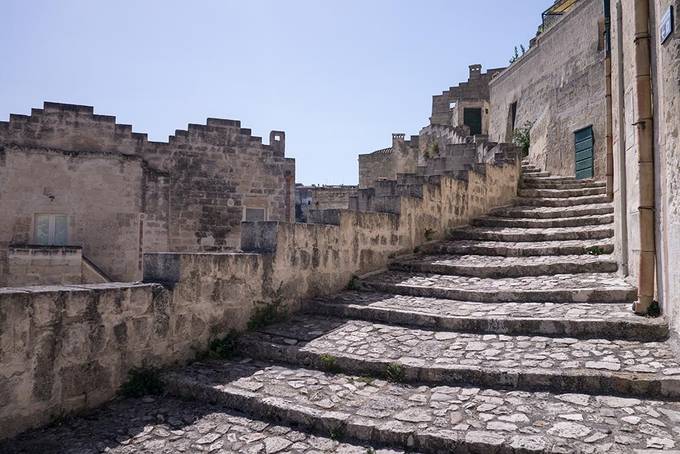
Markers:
{"x": 142, "y": 381}
{"x": 354, "y": 283}
{"x": 595, "y": 250}
{"x": 395, "y": 373}
{"x": 265, "y": 315}
{"x": 329, "y": 363}
{"x": 429, "y": 234}
{"x": 224, "y": 348}
{"x": 654, "y": 309}
{"x": 522, "y": 138}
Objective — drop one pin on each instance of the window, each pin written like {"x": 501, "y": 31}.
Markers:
{"x": 254, "y": 214}
{"x": 51, "y": 229}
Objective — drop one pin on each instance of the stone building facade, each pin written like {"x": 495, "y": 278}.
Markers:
{"x": 665, "y": 76}
{"x": 69, "y": 177}
{"x": 323, "y": 197}
{"x": 458, "y": 115}
{"x": 558, "y": 88}
{"x": 466, "y": 104}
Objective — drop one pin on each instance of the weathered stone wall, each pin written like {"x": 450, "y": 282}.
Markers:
{"x": 666, "y": 74}
{"x": 69, "y": 348}
{"x": 447, "y": 108}
{"x": 321, "y": 198}
{"x": 42, "y": 265}
{"x": 406, "y": 156}
{"x": 558, "y": 86}
{"x": 666, "y": 69}
{"x": 125, "y": 195}
{"x": 100, "y": 193}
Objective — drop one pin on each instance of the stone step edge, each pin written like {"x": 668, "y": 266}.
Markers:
{"x": 533, "y": 212}
{"x": 645, "y": 330}
{"x": 450, "y": 247}
{"x": 579, "y": 295}
{"x": 343, "y": 425}
{"x": 583, "y": 381}
{"x": 500, "y": 271}
{"x": 543, "y": 223}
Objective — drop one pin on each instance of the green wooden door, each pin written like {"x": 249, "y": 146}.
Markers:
{"x": 473, "y": 119}
{"x": 583, "y": 140}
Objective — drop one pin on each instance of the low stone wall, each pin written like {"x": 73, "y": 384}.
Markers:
{"x": 44, "y": 265}
{"x": 68, "y": 348}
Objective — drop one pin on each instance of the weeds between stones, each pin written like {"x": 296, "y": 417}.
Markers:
{"x": 395, "y": 373}
{"x": 329, "y": 363}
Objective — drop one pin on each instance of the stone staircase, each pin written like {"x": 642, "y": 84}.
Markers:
{"x": 516, "y": 335}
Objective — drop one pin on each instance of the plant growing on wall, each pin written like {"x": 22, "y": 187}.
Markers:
{"x": 522, "y": 138}
{"x": 516, "y": 56}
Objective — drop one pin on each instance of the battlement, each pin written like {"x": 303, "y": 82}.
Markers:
{"x": 77, "y": 127}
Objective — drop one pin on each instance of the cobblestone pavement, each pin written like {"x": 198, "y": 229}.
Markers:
{"x": 368, "y": 341}
{"x": 520, "y": 234}
{"x": 537, "y": 421}
{"x": 553, "y": 212}
{"x": 445, "y": 307}
{"x": 164, "y": 425}
{"x": 584, "y": 287}
{"x": 500, "y": 266}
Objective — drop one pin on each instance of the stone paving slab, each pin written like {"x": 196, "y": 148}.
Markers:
{"x": 164, "y": 425}
{"x": 437, "y": 419}
{"x": 499, "y": 266}
{"x": 518, "y": 249}
{"x": 611, "y": 321}
{"x": 560, "y": 202}
{"x": 561, "y": 192}
{"x": 558, "y": 288}
{"x": 552, "y": 212}
{"x": 518, "y": 234}
{"x": 538, "y": 223}
{"x": 442, "y": 357}
{"x": 576, "y": 184}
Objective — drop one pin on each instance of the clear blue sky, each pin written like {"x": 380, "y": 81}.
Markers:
{"x": 338, "y": 76}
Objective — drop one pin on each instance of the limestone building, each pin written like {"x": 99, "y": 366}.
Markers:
{"x": 557, "y": 89}
{"x": 645, "y": 148}
{"x": 83, "y": 197}
{"x": 321, "y": 197}
{"x": 466, "y": 104}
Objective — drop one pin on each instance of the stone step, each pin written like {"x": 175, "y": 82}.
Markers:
{"x": 588, "y": 232}
{"x": 427, "y": 419}
{"x": 532, "y": 223}
{"x": 582, "y": 320}
{"x": 519, "y": 249}
{"x": 536, "y": 174}
{"x": 560, "y": 288}
{"x": 576, "y": 184}
{"x": 560, "y": 202}
{"x": 168, "y": 425}
{"x": 531, "y": 170}
{"x": 553, "y": 179}
{"x": 553, "y": 213}
{"x": 488, "y": 266}
{"x": 562, "y": 364}
{"x": 561, "y": 192}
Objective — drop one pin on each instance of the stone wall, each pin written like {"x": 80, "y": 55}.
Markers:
{"x": 100, "y": 193}
{"x": 124, "y": 194}
{"x": 666, "y": 74}
{"x": 558, "y": 86}
{"x": 69, "y": 348}
{"x": 321, "y": 198}
{"x": 42, "y": 265}
{"x": 448, "y": 107}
